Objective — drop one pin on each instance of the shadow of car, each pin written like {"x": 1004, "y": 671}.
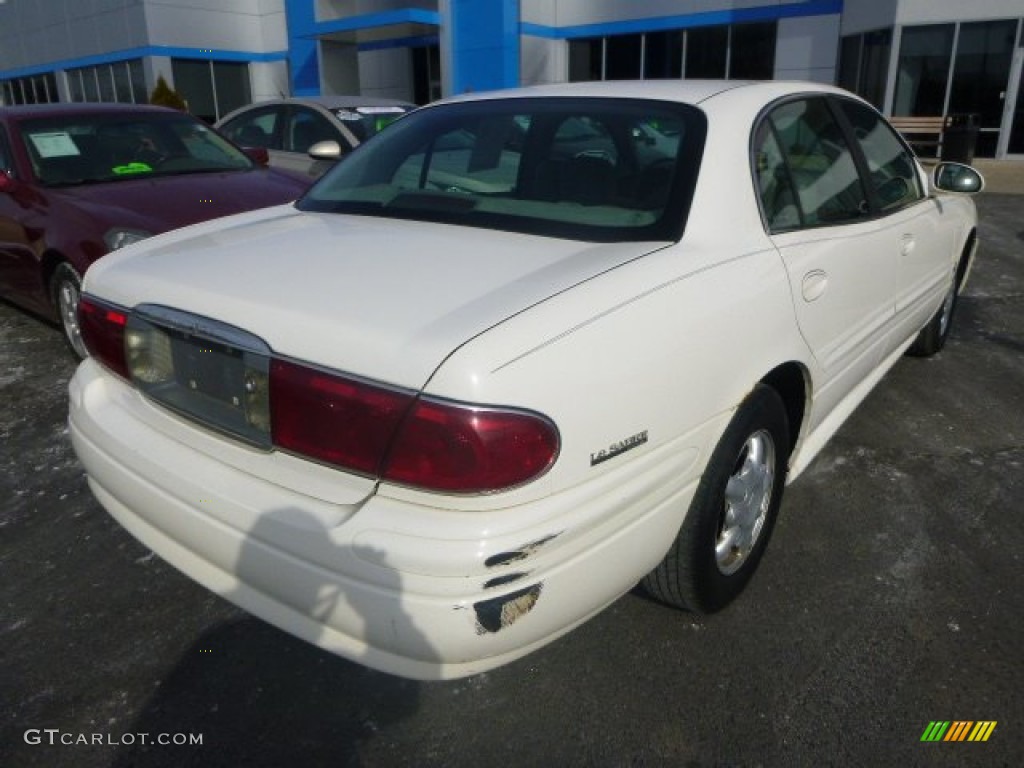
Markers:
{"x": 80, "y": 180}
{"x": 289, "y": 128}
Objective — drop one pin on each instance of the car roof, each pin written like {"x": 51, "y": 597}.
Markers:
{"x": 688, "y": 91}
{"x": 78, "y": 108}
{"x": 338, "y": 101}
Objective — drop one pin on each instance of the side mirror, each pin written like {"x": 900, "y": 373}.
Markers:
{"x": 7, "y": 183}
{"x": 957, "y": 177}
{"x": 258, "y": 155}
{"x": 325, "y": 150}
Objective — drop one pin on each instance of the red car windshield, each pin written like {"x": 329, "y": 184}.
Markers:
{"x": 80, "y": 149}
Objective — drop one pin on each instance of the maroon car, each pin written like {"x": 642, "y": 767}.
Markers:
{"x": 80, "y": 180}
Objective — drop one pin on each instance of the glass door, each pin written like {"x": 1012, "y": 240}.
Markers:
{"x": 1013, "y": 122}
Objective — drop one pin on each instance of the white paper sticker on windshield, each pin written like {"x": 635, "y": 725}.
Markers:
{"x": 56, "y": 144}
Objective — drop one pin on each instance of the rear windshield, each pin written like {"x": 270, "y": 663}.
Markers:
{"x": 581, "y": 168}
{"x": 82, "y": 149}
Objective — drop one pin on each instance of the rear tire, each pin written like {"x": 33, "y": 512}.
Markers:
{"x": 732, "y": 513}
{"x": 65, "y": 291}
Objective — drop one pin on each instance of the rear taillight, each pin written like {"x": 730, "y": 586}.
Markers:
{"x": 102, "y": 328}
{"x": 420, "y": 442}
{"x": 331, "y": 418}
{"x": 458, "y": 448}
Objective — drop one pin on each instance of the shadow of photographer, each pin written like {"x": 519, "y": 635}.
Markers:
{"x": 259, "y": 696}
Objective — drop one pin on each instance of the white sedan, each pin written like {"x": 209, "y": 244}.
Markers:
{"x": 516, "y": 354}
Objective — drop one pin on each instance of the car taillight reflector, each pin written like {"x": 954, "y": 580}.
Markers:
{"x": 332, "y": 418}
{"x": 462, "y": 449}
{"x": 102, "y": 328}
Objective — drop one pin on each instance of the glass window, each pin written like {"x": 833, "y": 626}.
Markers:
{"x": 663, "y": 55}
{"x": 602, "y": 170}
{"x": 623, "y": 60}
{"x": 893, "y": 174}
{"x": 74, "y": 80}
{"x": 106, "y": 82}
{"x": 922, "y": 70}
{"x": 256, "y": 128}
{"x": 122, "y": 85}
{"x": 231, "y": 83}
{"x": 849, "y": 62}
{"x": 821, "y": 166}
{"x": 706, "y": 51}
{"x": 305, "y": 128}
{"x": 193, "y": 81}
{"x": 426, "y": 73}
{"x": 90, "y": 87}
{"x": 137, "y": 77}
{"x": 67, "y": 151}
{"x": 752, "y": 51}
{"x": 874, "y": 66}
{"x": 585, "y": 58}
{"x": 984, "y": 52}
{"x": 774, "y": 184}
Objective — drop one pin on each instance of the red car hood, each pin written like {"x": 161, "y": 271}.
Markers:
{"x": 162, "y": 203}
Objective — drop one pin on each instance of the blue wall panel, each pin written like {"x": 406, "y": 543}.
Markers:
{"x": 484, "y": 44}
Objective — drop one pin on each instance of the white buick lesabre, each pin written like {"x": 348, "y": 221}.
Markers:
{"x": 516, "y": 354}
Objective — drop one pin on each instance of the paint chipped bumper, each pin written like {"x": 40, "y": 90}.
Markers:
{"x": 419, "y": 591}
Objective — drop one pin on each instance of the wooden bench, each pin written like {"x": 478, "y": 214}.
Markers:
{"x": 930, "y": 130}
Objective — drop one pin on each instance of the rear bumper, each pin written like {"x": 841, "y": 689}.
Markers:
{"x": 418, "y": 591}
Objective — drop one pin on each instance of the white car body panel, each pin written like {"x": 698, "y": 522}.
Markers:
{"x": 294, "y": 289}
{"x": 639, "y": 352}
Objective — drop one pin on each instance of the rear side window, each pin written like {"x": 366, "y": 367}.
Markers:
{"x": 803, "y": 147}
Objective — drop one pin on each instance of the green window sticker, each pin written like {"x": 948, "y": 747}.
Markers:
{"x": 130, "y": 168}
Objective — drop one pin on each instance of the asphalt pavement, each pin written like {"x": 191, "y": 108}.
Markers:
{"x": 890, "y": 598}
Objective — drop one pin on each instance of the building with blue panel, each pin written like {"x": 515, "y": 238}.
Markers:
{"x": 909, "y": 57}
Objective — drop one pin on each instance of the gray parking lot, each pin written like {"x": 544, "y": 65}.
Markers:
{"x": 890, "y": 597}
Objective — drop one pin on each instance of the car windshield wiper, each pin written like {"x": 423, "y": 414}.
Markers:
{"x": 78, "y": 182}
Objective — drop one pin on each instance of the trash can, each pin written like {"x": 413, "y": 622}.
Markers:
{"x": 959, "y": 139}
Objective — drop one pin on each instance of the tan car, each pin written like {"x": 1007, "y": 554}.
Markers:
{"x": 289, "y": 128}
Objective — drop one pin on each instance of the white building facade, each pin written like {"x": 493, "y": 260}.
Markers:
{"x": 909, "y": 57}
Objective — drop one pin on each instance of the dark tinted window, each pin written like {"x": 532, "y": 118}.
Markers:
{"x": 893, "y": 174}
{"x": 753, "y": 51}
{"x": 706, "y": 51}
{"x": 588, "y": 169}
{"x": 818, "y": 161}
{"x": 255, "y": 128}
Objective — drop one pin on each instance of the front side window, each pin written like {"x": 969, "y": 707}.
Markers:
{"x": 818, "y": 160}
{"x": 891, "y": 169}
{"x": 305, "y": 128}
{"x": 255, "y": 128}
{"x": 588, "y": 169}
